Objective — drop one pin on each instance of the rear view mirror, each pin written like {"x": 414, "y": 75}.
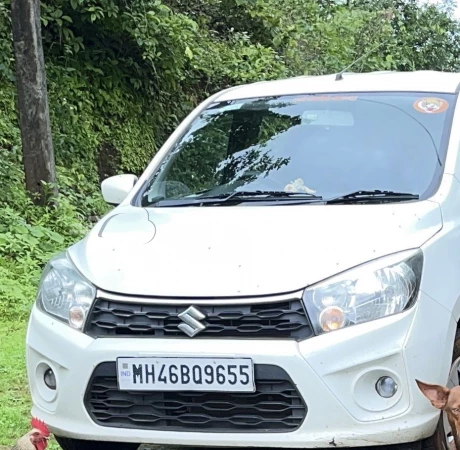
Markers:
{"x": 115, "y": 189}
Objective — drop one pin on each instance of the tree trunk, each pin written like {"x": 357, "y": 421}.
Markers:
{"x": 37, "y": 143}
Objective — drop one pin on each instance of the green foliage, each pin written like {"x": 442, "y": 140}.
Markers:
{"x": 6, "y": 55}
{"x": 14, "y": 409}
{"x": 29, "y": 235}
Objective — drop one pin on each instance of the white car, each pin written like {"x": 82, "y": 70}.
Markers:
{"x": 279, "y": 276}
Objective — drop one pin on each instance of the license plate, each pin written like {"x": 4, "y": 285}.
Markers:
{"x": 186, "y": 374}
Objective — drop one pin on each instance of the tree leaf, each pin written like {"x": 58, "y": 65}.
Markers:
{"x": 188, "y": 52}
{"x": 55, "y": 237}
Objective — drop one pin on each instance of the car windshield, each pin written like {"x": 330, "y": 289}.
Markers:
{"x": 323, "y": 145}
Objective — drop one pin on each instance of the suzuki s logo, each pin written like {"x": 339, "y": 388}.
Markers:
{"x": 191, "y": 318}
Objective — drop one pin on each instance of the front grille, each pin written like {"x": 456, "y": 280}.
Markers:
{"x": 276, "y": 406}
{"x": 283, "y": 320}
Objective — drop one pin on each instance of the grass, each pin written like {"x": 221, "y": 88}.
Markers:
{"x": 14, "y": 393}
{"x": 15, "y": 401}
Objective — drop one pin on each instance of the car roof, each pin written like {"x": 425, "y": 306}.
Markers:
{"x": 416, "y": 81}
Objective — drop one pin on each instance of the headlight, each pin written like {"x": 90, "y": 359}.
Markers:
{"x": 374, "y": 290}
{"x": 64, "y": 293}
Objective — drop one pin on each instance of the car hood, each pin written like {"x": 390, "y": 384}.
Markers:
{"x": 239, "y": 251}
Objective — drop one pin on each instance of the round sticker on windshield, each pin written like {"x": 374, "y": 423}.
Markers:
{"x": 431, "y": 105}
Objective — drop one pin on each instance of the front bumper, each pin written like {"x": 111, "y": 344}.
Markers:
{"x": 335, "y": 374}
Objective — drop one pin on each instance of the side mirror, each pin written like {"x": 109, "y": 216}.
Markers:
{"x": 116, "y": 188}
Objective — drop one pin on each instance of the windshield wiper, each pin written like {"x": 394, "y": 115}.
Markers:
{"x": 238, "y": 197}
{"x": 262, "y": 195}
{"x": 373, "y": 196}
